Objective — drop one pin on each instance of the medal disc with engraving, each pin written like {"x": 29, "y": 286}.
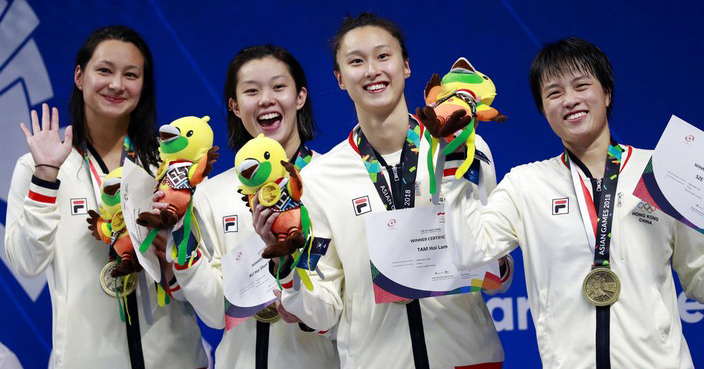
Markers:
{"x": 118, "y": 221}
{"x": 601, "y": 287}
{"x": 269, "y": 194}
{"x": 268, "y": 315}
{"x": 110, "y": 284}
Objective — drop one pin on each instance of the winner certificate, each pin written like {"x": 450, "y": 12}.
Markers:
{"x": 673, "y": 180}
{"x": 247, "y": 283}
{"x": 410, "y": 258}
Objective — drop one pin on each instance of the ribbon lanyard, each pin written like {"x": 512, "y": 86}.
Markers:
{"x": 302, "y": 157}
{"x": 405, "y": 193}
{"x": 127, "y": 152}
{"x": 598, "y": 219}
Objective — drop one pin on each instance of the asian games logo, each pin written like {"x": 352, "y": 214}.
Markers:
{"x": 24, "y": 84}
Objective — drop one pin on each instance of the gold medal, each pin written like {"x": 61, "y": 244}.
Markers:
{"x": 269, "y": 194}
{"x": 268, "y": 315}
{"x": 110, "y": 284}
{"x": 403, "y": 302}
{"x": 601, "y": 287}
{"x": 118, "y": 221}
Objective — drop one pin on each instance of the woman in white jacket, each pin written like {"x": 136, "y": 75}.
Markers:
{"x": 265, "y": 92}
{"x": 113, "y": 116}
{"x": 598, "y": 260}
{"x": 371, "y": 64}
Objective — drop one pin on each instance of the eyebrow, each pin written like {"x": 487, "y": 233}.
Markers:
{"x": 375, "y": 48}
{"x": 111, "y": 64}
{"x": 280, "y": 76}
{"x": 555, "y": 84}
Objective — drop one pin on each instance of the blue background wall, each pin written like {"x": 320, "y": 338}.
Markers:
{"x": 655, "y": 48}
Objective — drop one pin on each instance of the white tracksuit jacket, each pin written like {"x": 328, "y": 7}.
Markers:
{"x": 289, "y": 346}
{"x": 458, "y": 329}
{"x": 44, "y": 236}
{"x": 645, "y": 326}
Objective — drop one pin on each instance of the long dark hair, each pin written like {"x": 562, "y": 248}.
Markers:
{"x": 237, "y": 134}
{"x": 142, "y": 128}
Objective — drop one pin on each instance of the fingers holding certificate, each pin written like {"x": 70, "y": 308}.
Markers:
{"x": 673, "y": 180}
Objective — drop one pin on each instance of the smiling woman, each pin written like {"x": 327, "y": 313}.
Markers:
{"x": 377, "y": 169}
{"x": 266, "y": 93}
{"x": 113, "y": 116}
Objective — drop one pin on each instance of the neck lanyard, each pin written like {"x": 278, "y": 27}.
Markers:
{"x": 302, "y": 157}
{"x": 405, "y": 195}
{"x": 127, "y": 152}
{"x": 598, "y": 220}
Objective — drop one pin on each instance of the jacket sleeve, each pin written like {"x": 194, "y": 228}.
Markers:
{"x": 320, "y": 308}
{"x": 201, "y": 283}
{"x": 453, "y": 188}
{"x": 477, "y": 234}
{"x": 688, "y": 260}
{"x": 32, "y": 220}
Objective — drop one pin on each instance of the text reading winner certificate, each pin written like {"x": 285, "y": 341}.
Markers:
{"x": 410, "y": 258}
{"x": 673, "y": 180}
{"x": 247, "y": 283}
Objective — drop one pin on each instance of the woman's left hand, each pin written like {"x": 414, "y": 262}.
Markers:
{"x": 285, "y": 315}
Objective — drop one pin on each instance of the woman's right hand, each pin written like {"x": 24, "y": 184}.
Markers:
{"x": 262, "y": 220}
{"x": 48, "y": 151}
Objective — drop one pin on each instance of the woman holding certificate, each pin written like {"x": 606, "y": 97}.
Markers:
{"x": 344, "y": 185}
{"x": 266, "y": 92}
{"x": 598, "y": 260}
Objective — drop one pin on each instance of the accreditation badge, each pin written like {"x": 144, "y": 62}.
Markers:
{"x": 268, "y": 315}
{"x": 112, "y": 286}
{"x": 601, "y": 287}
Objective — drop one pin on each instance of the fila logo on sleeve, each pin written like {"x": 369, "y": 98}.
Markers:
{"x": 229, "y": 224}
{"x": 79, "y": 206}
{"x": 561, "y": 206}
{"x": 361, "y": 205}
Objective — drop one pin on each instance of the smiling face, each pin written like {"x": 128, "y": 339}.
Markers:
{"x": 112, "y": 80}
{"x": 267, "y": 101}
{"x": 574, "y": 104}
{"x": 372, "y": 69}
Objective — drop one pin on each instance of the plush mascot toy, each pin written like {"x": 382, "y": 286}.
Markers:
{"x": 264, "y": 172}
{"x": 109, "y": 225}
{"x": 187, "y": 154}
{"x": 452, "y": 105}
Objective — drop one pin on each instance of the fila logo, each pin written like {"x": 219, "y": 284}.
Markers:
{"x": 361, "y": 205}
{"x": 560, "y": 206}
{"x": 78, "y": 206}
{"x": 229, "y": 224}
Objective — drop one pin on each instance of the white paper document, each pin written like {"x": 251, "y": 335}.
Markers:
{"x": 675, "y": 183}
{"x": 136, "y": 191}
{"x": 409, "y": 250}
{"x": 246, "y": 278}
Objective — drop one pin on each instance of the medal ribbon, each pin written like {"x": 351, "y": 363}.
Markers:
{"x": 597, "y": 225}
{"x": 127, "y": 152}
{"x": 598, "y": 220}
{"x": 403, "y": 197}
{"x": 134, "y": 339}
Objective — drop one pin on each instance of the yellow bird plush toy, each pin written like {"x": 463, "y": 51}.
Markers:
{"x": 264, "y": 171}
{"x": 187, "y": 154}
{"x": 454, "y": 103}
{"x": 109, "y": 225}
